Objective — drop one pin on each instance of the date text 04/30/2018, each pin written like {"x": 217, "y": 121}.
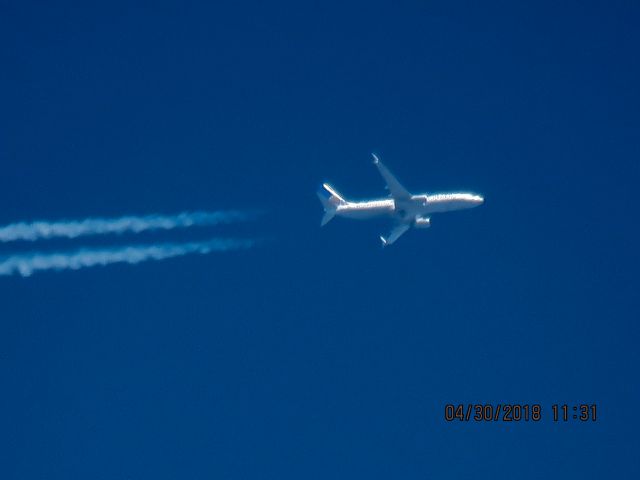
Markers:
{"x": 514, "y": 412}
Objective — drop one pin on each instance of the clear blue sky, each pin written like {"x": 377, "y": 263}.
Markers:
{"x": 320, "y": 355}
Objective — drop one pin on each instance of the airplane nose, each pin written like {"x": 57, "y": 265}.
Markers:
{"x": 479, "y": 199}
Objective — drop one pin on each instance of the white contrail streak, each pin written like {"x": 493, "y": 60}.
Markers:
{"x": 41, "y": 230}
{"x": 29, "y": 263}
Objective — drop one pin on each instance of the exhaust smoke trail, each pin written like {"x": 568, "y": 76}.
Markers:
{"x": 40, "y": 230}
{"x": 29, "y": 263}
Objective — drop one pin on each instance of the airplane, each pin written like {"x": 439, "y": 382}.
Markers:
{"x": 406, "y": 209}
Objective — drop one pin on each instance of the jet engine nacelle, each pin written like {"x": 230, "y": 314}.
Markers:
{"x": 422, "y": 222}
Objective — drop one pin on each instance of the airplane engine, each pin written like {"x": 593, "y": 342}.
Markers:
{"x": 422, "y": 222}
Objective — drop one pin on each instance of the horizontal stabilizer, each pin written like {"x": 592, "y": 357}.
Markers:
{"x": 331, "y": 200}
{"x": 328, "y": 215}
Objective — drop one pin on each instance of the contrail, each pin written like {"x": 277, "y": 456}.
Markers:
{"x": 41, "y": 230}
{"x": 29, "y": 263}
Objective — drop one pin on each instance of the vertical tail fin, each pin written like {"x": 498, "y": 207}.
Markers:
{"x": 330, "y": 200}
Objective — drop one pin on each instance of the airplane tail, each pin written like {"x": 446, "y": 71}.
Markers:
{"x": 330, "y": 200}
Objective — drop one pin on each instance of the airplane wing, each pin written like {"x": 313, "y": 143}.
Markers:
{"x": 395, "y": 233}
{"x": 398, "y": 192}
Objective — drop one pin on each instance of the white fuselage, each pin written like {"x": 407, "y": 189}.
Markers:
{"x": 416, "y": 206}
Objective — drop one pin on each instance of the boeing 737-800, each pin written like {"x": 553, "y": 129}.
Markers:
{"x": 406, "y": 209}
